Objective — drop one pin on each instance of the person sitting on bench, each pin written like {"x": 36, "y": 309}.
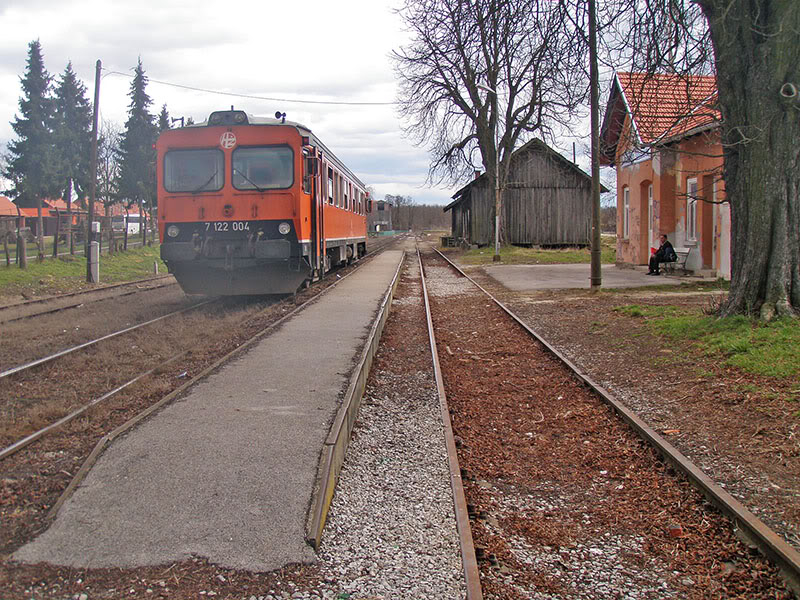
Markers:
{"x": 664, "y": 254}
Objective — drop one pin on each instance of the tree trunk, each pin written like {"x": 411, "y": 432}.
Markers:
{"x": 757, "y": 54}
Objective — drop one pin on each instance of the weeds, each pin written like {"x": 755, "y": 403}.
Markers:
{"x": 768, "y": 349}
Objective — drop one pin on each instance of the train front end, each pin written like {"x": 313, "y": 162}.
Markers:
{"x": 231, "y": 210}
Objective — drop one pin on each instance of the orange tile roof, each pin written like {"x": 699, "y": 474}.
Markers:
{"x": 7, "y": 207}
{"x": 33, "y": 212}
{"x": 665, "y": 106}
{"x": 56, "y": 203}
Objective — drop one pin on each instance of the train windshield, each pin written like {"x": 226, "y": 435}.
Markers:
{"x": 194, "y": 170}
{"x": 263, "y": 168}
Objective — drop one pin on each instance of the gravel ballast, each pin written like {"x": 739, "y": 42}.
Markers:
{"x": 391, "y": 532}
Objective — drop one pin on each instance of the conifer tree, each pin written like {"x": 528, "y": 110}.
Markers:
{"x": 73, "y": 138}
{"x": 31, "y": 165}
{"x": 136, "y": 154}
{"x": 163, "y": 119}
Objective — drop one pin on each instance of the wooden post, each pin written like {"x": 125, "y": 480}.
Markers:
{"x": 125, "y": 234}
{"x": 22, "y": 252}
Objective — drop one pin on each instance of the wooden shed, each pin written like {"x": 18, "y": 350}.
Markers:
{"x": 547, "y": 201}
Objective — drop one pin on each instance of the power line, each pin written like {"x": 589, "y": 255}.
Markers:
{"x": 251, "y": 97}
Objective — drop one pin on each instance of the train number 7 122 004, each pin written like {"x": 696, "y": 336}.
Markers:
{"x": 228, "y": 226}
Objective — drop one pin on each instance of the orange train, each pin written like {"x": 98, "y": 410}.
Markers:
{"x": 253, "y": 205}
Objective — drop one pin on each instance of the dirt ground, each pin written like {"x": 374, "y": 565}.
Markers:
{"x": 747, "y": 441}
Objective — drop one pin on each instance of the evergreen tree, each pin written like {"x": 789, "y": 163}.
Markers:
{"x": 163, "y": 119}
{"x": 31, "y": 165}
{"x": 137, "y": 156}
{"x": 73, "y": 137}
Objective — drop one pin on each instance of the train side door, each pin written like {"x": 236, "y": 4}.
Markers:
{"x": 311, "y": 183}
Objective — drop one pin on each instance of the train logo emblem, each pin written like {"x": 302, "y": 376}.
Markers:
{"x": 227, "y": 140}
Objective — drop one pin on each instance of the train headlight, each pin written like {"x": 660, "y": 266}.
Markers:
{"x": 284, "y": 228}
{"x": 173, "y": 231}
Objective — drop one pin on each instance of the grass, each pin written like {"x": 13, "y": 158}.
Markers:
{"x": 515, "y": 255}
{"x": 768, "y": 349}
{"x": 63, "y": 246}
{"x": 68, "y": 273}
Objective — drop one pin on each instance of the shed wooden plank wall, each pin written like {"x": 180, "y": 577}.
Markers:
{"x": 545, "y": 202}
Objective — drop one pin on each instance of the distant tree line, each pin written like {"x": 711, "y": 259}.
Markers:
{"x": 50, "y": 156}
{"x": 408, "y": 215}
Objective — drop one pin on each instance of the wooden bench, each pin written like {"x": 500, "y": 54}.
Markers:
{"x": 682, "y": 255}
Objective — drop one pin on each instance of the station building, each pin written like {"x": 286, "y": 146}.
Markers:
{"x": 662, "y": 133}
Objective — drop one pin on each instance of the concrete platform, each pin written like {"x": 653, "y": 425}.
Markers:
{"x": 527, "y": 278}
{"x": 227, "y": 471}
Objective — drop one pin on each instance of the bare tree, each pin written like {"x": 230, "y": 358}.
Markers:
{"x": 402, "y": 211}
{"x": 481, "y": 76}
{"x": 108, "y": 171}
{"x": 752, "y": 48}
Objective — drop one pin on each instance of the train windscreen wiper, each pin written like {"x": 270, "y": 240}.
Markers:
{"x": 248, "y": 180}
{"x": 209, "y": 180}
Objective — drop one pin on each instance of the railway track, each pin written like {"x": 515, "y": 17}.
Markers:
{"x": 569, "y": 493}
{"x": 54, "y": 304}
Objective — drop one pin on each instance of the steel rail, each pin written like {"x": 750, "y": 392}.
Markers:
{"x": 747, "y": 526}
{"x": 81, "y": 292}
{"x": 468, "y": 559}
{"x": 79, "y": 304}
{"x": 52, "y": 357}
{"x": 29, "y": 439}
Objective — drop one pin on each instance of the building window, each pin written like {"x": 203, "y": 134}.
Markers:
{"x": 691, "y": 209}
{"x": 626, "y": 212}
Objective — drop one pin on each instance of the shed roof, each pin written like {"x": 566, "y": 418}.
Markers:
{"x": 534, "y": 145}
{"x": 663, "y": 108}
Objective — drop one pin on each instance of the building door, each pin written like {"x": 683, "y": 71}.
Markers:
{"x": 651, "y": 220}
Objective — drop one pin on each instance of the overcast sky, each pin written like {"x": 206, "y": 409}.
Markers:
{"x": 303, "y": 50}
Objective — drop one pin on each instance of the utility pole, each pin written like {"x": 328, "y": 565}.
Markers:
{"x": 596, "y": 277}
{"x": 93, "y": 173}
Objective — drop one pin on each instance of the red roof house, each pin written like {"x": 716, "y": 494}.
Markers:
{"x": 661, "y": 132}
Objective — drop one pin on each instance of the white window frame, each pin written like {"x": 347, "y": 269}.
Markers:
{"x": 626, "y": 212}
{"x": 691, "y": 209}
